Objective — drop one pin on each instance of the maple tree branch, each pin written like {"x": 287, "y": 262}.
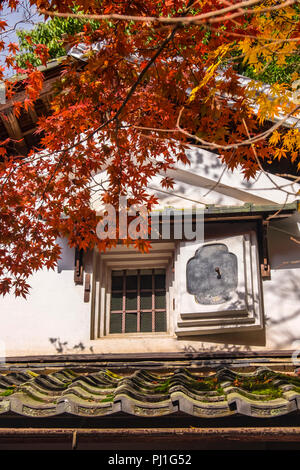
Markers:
{"x": 102, "y": 96}
{"x": 288, "y": 193}
{"x": 253, "y": 12}
{"x": 144, "y": 71}
{"x": 175, "y": 20}
{"x": 216, "y": 184}
{"x": 213, "y": 145}
{"x": 125, "y": 101}
{"x": 285, "y": 263}
{"x": 280, "y": 209}
{"x": 134, "y": 86}
{"x": 226, "y": 2}
{"x": 245, "y": 142}
{"x": 250, "y": 36}
{"x": 250, "y": 140}
{"x": 176, "y": 195}
{"x": 287, "y": 175}
{"x": 294, "y": 240}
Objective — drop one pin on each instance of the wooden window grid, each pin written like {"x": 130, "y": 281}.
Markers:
{"x": 139, "y": 296}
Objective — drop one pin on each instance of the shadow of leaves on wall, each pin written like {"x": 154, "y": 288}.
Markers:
{"x": 189, "y": 349}
{"x": 62, "y": 347}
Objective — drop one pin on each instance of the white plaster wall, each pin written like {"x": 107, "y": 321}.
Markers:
{"x": 54, "y": 319}
{"x": 53, "y": 310}
{"x": 282, "y": 294}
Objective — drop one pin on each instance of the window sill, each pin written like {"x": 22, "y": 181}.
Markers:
{"x": 138, "y": 335}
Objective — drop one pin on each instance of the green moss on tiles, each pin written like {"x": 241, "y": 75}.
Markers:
{"x": 69, "y": 372}
{"x": 260, "y": 396}
{"x": 66, "y": 384}
{"x": 7, "y": 392}
{"x": 288, "y": 379}
{"x": 31, "y": 373}
{"x": 113, "y": 375}
{"x": 269, "y": 393}
{"x": 163, "y": 388}
{"x": 108, "y": 398}
{"x": 201, "y": 385}
{"x": 205, "y": 385}
{"x": 263, "y": 386}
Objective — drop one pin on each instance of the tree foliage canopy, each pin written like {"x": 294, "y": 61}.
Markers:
{"x": 164, "y": 75}
{"x": 50, "y": 34}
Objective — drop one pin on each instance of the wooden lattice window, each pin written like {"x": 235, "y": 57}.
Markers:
{"x": 138, "y": 301}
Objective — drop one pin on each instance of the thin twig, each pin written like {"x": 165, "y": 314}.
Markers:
{"x": 178, "y": 20}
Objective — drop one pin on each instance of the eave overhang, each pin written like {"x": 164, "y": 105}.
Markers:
{"x": 245, "y": 211}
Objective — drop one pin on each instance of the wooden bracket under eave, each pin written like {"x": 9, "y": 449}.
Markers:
{"x": 265, "y": 268}
{"x": 78, "y": 271}
{"x": 87, "y": 287}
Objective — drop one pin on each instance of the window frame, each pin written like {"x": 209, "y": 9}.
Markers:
{"x": 162, "y": 257}
{"x": 167, "y": 255}
{"x": 138, "y": 310}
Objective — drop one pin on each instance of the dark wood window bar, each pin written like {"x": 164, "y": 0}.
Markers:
{"x": 138, "y": 301}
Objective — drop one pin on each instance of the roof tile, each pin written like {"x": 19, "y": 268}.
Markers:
{"x": 263, "y": 393}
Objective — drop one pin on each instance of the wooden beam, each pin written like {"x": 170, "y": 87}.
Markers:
{"x": 13, "y": 129}
{"x": 20, "y": 96}
{"x": 265, "y": 268}
{"x": 47, "y": 101}
{"x": 257, "y": 356}
{"x": 32, "y": 114}
{"x": 249, "y": 434}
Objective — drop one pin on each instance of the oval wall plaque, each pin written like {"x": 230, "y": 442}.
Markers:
{"x": 212, "y": 274}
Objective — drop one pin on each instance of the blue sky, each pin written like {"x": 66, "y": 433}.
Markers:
{"x": 25, "y": 17}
